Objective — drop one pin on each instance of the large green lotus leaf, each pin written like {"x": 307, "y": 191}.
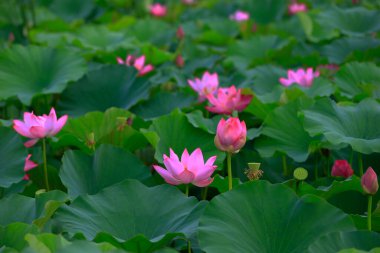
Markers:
{"x": 244, "y": 53}
{"x": 95, "y": 128}
{"x": 174, "y": 131}
{"x": 155, "y": 31}
{"x": 29, "y": 71}
{"x": 12, "y": 157}
{"x": 333, "y": 242}
{"x": 354, "y": 125}
{"x": 88, "y": 37}
{"x": 321, "y": 88}
{"x": 264, "y": 11}
{"x": 70, "y": 10}
{"x": 374, "y": 250}
{"x": 12, "y": 235}
{"x": 366, "y": 21}
{"x": 265, "y": 84}
{"x": 339, "y": 49}
{"x": 359, "y": 78}
{"x": 84, "y": 174}
{"x": 283, "y": 131}
{"x": 316, "y": 27}
{"x": 110, "y": 86}
{"x": 130, "y": 210}
{"x": 261, "y": 217}
{"x": 163, "y": 103}
{"x": 28, "y": 209}
{"x": 209, "y": 125}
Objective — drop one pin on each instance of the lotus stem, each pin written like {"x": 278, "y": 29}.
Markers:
{"x": 328, "y": 167}
{"x": 360, "y": 164}
{"x": 45, "y": 164}
{"x": 316, "y": 168}
{"x": 229, "y": 168}
{"x": 284, "y": 166}
{"x": 369, "y": 213}
{"x": 187, "y": 190}
{"x": 204, "y": 193}
{"x": 188, "y": 246}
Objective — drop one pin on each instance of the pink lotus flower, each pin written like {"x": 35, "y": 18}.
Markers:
{"x": 240, "y": 16}
{"x": 38, "y": 127}
{"x": 301, "y": 77}
{"x": 297, "y": 7}
{"x": 228, "y": 100}
{"x": 180, "y": 33}
{"x": 179, "y": 61}
{"x": 231, "y": 135}
{"x": 138, "y": 63}
{"x": 369, "y": 182}
{"x": 28, "y": 166}
{"x": 157, "y": 10}
{"x": 341, "y": 168}
{"x": 205, "y": 86}
{"x": 191, "y": 169}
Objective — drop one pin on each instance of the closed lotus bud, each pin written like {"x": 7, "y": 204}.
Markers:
{"x": 341, "y": 168}
{"x": 180, "y": 33}
{"x": 179, "y": 61}
{"x": 369, "y": 182}
{"x": 231, "y": 135}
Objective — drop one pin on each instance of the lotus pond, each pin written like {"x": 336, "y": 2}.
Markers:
{"x": 212, "y": 126}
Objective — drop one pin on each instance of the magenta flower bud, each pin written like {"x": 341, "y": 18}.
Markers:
{"x": 231, "y": 135}
{"x": 180, "y": 33}
{"x": 369, "y": 182}
{"x": 38, "y": 127}
{"x": 179, "y": 61}
{"x": 341, "y": 168}
{"x": 158, "y": 10}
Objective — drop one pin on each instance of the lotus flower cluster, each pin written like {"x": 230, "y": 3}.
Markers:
{"x": 369, "y": 182}
{"x": 157, "y": 10}
{"x": 38, "y": 127}
{"x": 301, "y": 77}
{"x": 231, "y": 135}
{"x": 190, "y": 169}
{"x": 205, "y": 86}
{"x": 297, "y": 7}
{"x": 239, "y": 16}
{"x": 342, "y": 168}
{"x": 138, "y": 63}
{"x": 28, "y": 166}
{"x": 228, "y": 100}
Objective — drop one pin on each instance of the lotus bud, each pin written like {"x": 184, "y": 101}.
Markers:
{"x": 341, "y": 168}
{"x": 369, "y": 182}
{"x": 231, "y": 135}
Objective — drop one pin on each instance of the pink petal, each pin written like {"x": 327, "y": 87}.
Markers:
{"x": 211, "y": 161}
{"x": 50, "y": 122}
{"x": 173, "y": 155}
{"x": 119, "y": 60}
{"x": 203, "y": 183}
{"x": 166, "y": 175}
{"x": 146, "y": 69}
{"x": 285, "y": 81}
{"x": 186, "y": 177}
{"x": 195, "y": 161}
{"x": 174, "y": 167}
{"x": 185, "y": 158}
{"x": 38, "y": 132}
{"x": 21, "y": 128}
{"x": 139, "y": 62}
{"x": 30, "y": 143}
{"x": 58, "y": 126}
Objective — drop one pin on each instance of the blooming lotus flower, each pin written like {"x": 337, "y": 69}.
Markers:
{"x": 240, "y": 16}
{"x": 369, "y": 182}
{"x": 157, "y": 10}
{"x": 301, "y": 77}
{"x": 205, "y": 86}
{"x": 297, "y": 7}
{"x": 231, "y": 135}
{"x": 190, "y": 169}
{"x": 228, "y": 100}
{"x": 38, "y": 127}
{"x": 28, "y": 166}
{"x": 138, "y": 63}
{"x": 341, "y": 168}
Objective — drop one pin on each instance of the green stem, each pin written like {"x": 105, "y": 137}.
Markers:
{"x": 188, "y": 246}
{"x": 369, "y": 212}
{"x": 360, "y": 164}
{"x": 352, "y": 157}
{"x": 45, "y": 164}
{"x": 328, "y": 167}
{"x": 284, "y": 166}
{"x": 229, "y": 167}
{"x": 187, "y": 190}
{"x": 204, "y": 193}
